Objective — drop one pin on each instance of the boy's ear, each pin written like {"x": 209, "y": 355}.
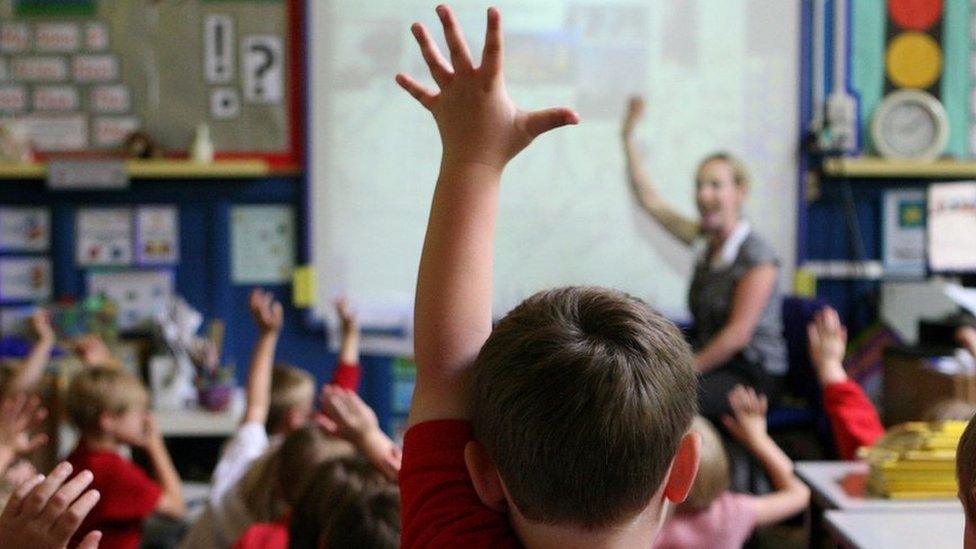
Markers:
{"x": 106, "y": 421}
{"x": 683, "y": 468}
{"x": 294, "y": 419}
{"x": 484, "y": 476}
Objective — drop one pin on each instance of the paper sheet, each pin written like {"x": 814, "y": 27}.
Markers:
{"x": 104, "y": 236}
{"x": 262, "y": 244}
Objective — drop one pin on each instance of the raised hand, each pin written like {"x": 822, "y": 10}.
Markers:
{"x": 268, "y": 313}
{"x": 828, "y": 343}
{"x": 635, "y": 111}
{"x": 748, "y": 422}
{"x": 477, "y": 120}
{"x": 44, "y": 512}
{"x": 345, "y": 415}
{"x": 18, "y": 416}
{"x": 41, "y": 324}
{"x": 347, "y": 318}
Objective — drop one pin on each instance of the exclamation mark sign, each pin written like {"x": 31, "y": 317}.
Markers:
{"x": 218, "y": 39}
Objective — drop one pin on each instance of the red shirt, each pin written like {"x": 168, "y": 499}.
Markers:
{"x": 128, "y": 497}
{"x": 347, "y": 376}
{"x": 265, "y": 535}
{"x": 853, "y": 418}
{"x": 439, "y": 506}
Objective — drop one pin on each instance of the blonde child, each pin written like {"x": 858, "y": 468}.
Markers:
{"x": 716, "y": 518}
{"x": 109, "y": 408}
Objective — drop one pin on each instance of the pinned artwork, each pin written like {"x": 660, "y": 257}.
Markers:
{"x": 225, "y": 103}
{"x": 57, "y": 37}
{"x": 218, "y": 37}
{"x": 139, "y": 295}
{"x": 264, "y": 63}
{"x": 25, "y": 229}
{"x": 157, "y": 235}
{"x": 262, "y": 244}
{"x": 25, "y": 279}
{"x": 104, "y": 236}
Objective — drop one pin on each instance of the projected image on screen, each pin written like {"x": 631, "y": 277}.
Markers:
{"x": 716, "y": 75}
{"x": 952, "y": 227}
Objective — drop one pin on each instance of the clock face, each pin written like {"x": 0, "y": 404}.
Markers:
{"x": 909, "y": 129}
{"x": 910, "y": 124}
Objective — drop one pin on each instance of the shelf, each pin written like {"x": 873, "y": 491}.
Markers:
{"x": 872, "y": 166}
{"x": 165, "y": 169}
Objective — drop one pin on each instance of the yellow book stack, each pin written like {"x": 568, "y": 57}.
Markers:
{"x": 915, "y": 461}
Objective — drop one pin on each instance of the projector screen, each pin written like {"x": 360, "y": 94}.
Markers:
{"x": 716, "y": 76}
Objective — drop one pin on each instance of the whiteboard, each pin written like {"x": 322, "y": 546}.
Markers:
{"x": 716, "y": 75}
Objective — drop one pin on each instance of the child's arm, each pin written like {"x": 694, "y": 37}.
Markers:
{"x": 791, "y": 495}
{"x": 268, "y": 317}
{"x": 853, "y": 419}
{"x": 481, "y": 129}
{"x": 171, "y": 501}
{"x": 684, "y": 229}
{"x": 347, "y": 371}
{"x": 18, "y": 416}
{"x": 345, "y": 415}
{"x": 25, "y": 377}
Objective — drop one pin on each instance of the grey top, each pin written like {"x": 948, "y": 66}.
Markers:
{"x": 712, "y": 290}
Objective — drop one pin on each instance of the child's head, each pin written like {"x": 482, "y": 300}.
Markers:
{"x": 966, "y": 477}
{"x": 275, "y": 482}
{"x": 292, "y": 398}
{"x": 581, "y": 399}
{"x": 713, "y": 469}
{"x": 347, "y": 504}
{"x": 108, "y": 401}
{"x": 950, "y": 409}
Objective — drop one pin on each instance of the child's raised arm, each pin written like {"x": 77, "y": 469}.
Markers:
{"x": 481, "y": 129}
{"x": 28, "y": 374}
{"x": 268, "y": 317}
{"x": 791, "y": 495}
{"x": 347, "y": 371}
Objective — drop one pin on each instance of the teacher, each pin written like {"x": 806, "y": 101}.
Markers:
{"x": 734, "y": 298}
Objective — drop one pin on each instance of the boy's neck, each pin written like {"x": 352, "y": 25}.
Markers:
{"x": 641, "y": 531}
{"x": 104, "y": 442}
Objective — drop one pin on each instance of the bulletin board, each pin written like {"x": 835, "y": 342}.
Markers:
{"x": 81, "y": 75}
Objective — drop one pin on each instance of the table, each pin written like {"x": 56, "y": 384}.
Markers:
{"x": 894, "y": 529}
{"x": 841, "y": 485}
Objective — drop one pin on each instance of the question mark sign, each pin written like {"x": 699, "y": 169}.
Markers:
{"x": 262, "y": 67}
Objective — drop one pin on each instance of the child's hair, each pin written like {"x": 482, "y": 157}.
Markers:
{"x": 950, "y": 409}
{"x": 271, "y": 485}
{"x": 347, "y": 504}
{"x": 966, "y": 469}
{"x": 291, "y": 387}
{"x": 713, "y": 469}
{"x": 98, "y": 389}
{"x": 581, "y": 396}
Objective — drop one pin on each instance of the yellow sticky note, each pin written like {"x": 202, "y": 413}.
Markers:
{"x": 303, "y": 287}
{"x": 805, "y": 283}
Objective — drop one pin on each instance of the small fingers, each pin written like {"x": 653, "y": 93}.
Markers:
{"x": 438, "y": 66}
{"x": 419, "y": 92}
{"x": 492, "y": 56}
{"x": 460, "y": 56}
{"x": 69, "y": 521}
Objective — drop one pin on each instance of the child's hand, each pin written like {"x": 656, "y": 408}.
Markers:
{"x": 93, "y": 352}
{"x": 45, "y": 512}
{"x": 347, "y": 318}
{"x": 268, "y": 313}
{"x": 41, "y": 324}
{"x": 966, "y": 336}
{"x": 635, "y": 110}
{"x": 828, "y": 343}
{"x": 18, "y": 416}
{"x": 345, "y": 415}
{"x": 477, "y": 120}
{"x": 749, "y": 423}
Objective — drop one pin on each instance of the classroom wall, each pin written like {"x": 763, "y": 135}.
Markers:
{"x": 203, "y": 274}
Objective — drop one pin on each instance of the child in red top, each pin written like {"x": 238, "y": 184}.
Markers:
{"x": 852, "y": 416}
{"x": 109, "y": 408}
{"x": 567, "y": 424}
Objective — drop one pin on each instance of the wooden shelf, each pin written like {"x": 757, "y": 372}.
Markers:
{"x": 165, "y": 169}
{"x": 875, "y": 167}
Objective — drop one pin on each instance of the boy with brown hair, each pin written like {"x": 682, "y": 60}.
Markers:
{"x": 568, "y": 424}
{"x": 109, "y": 407}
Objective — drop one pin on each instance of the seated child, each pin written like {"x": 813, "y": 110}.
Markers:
{"x": 108, "y": 406}
{"x": 347, "y": 504}
{"x": 279, "y": 399}
{"x": 714, "y": 517}
{"x": 568, "y": 423}
{"x": 351, "y": 422}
